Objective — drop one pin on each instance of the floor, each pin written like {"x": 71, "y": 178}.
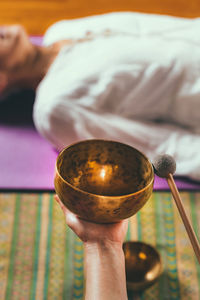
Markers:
{"x": 37, "y": 15}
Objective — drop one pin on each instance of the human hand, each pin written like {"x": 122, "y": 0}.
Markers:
{"x": 93, "y": 232}
{"x": 104, "y": 257}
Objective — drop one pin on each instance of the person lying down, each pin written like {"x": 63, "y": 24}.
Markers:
{"x": 129, "y": 77}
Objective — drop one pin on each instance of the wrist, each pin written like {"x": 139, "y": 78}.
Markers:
{"x": 105, "y": 270}
{"x": 107, "y": 249}
{"x": 104, "y": 245}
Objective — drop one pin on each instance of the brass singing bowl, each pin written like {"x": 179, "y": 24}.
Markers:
{"x": 143, "y": 265}
{"x": 103, "y": 181}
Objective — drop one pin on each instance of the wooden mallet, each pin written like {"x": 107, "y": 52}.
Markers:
{"x": 165, "y": 166}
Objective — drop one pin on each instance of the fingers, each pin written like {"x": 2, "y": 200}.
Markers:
{"x": 71, "y": 219}
{"x": 60, "y": 202}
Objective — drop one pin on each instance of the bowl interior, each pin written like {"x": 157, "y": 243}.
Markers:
{"x": 104, "y": 168}
{"x": 143, "y": 263}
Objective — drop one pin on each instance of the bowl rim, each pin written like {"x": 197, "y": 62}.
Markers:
{"x": 107, "y": 196}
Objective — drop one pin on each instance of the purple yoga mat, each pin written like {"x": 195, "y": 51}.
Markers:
{"x": 27, "y": 162}
{"x": 182, "y": 184}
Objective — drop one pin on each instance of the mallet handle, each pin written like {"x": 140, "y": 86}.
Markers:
{"x": 186, "y": 221}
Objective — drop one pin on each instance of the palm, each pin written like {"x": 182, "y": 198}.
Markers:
{"x": 88, "y": 231}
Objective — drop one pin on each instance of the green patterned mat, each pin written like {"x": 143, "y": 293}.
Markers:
{"x": 40, "y": 258}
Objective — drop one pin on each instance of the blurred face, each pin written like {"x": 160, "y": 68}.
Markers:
{"x": 14, "y": 47}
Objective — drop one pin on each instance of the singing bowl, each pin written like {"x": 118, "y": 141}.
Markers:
{"x": 103, "y": 181}
{"x": 143, "y": 265}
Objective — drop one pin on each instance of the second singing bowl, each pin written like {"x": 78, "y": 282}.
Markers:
{"x": 143, "y": 265}
{"x": 103, "y": 181}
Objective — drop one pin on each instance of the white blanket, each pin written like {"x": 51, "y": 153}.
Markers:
{"x": 135, "y": 79}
